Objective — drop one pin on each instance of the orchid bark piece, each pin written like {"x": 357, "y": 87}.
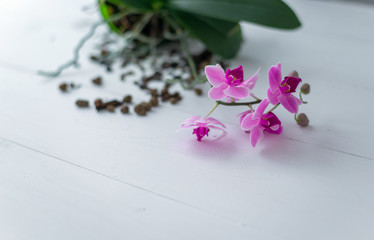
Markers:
{"x": 201, "y": 126}
{"x": 281, "y": 91}
{"x": 229, "y": 86}
{"x": 256, "y": 122}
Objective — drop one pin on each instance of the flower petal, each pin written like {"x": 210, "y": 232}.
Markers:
{"x": 248, "y": 123}
{"x": 215, "y": 74}
{"x": 251, "y": 82}
{"x": 237, "y": 92}
{"x": 289, "y": 102}
{"x": 215, "y": 121}
{"x": 191, "y": 120}
{"x": 275, "y": 77}
{"x": 260, "y": 109}
{"x": 256, "y": 134}
{"x": 215, "y": 127}
{"x": 276, "y": 129}
{"x": 273, "y": 96}
{"x": 216, "y": 93}
{"x": 242, "y": 115}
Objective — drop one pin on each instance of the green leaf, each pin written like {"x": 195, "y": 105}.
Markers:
{"x": 219, "y": 36}
{"x": 140, "y": 5}
{"x": 273, "y": 13}
{"x": 106, "y": 13}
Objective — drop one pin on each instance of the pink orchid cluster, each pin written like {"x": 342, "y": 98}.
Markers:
{"x": 230, "y": 87}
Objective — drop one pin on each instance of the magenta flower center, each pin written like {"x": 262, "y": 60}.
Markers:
{"x": 271, "y": 123}
{"x": 234, "y": 77}
{"x": 289, "y": 84}
{"x": 200, "y": 132}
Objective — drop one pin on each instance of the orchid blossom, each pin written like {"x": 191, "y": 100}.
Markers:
{"x": 281, "y": 91}
{"x": 257, "y": 122}
{"x": 201, "y": 126}
{"x": 229, "y": 86}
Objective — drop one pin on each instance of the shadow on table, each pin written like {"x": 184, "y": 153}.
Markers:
{"x": 222, "y": 148}
{"x": 284, "y": 150}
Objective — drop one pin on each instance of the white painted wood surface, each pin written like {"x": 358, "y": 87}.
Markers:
{"x": 67, "y": 173}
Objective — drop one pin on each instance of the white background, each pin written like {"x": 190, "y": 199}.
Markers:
{"x": 67, "y": 173}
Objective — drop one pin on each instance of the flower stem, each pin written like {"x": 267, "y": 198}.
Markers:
{"x": 239, "y": 104}
{"x": 274, "y": 108}
{"x": 252, "y": 95}
{"x": 301, "y": 98}
{"x": 250, "y": 107}
{"x": 184, "y": 47}
{"x": 190, "y": 61}
{"x": 214, "y": 108}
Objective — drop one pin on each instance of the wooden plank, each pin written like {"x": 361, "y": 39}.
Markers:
{"x": 281, "y": 179}
{"x": 316, "y": 178}
{"x": 43, "y": 198}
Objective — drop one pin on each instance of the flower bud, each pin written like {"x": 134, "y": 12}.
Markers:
{"x": 305, "y": 88}
{"x": 302, "y": 120}
{"x": 293, "y": 74}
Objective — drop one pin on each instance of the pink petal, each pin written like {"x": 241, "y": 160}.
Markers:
{"x": 289, "y": 102}
{"x": 237, "y": 92}
{"x": 217, "y": 93}
{"x": 215, "y": 121}
{"x": 242, "y": 115}
{"x": 255, "y": 135}
{"x": 215, "y": 74}
{"x": 275, "y": 77}
{"x": 191, "y": 120}
{"x": 273, "y": 97}
{"x": 260, "y": 109}
{"x": 251, "y": 82}
{"x": 248, "y": 123}
{"x": 215, "y": 127}
{"x": 276, "y": 129}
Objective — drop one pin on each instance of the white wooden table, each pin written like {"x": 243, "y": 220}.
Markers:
{"x": 67, "y": 173}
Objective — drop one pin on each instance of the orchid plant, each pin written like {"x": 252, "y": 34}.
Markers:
{"x": 215, "y": 23}
{"x": 230, "y": 87}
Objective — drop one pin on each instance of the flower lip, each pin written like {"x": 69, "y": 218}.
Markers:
{"x": 271, "y": 123}
{"x": 201, "y": 132}
{"x": 291, "y": 83}
{"x": 235, "y": 76}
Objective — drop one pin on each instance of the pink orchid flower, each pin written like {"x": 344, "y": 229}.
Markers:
{"x": 230, "y": 85}
{"x": 257, "y": 122}
{"x": 202, "y": 126}
{"x": 280, "y": 91}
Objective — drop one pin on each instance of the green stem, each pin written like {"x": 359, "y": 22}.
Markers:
{"x": 252, "y": 95}
{"x": 190, "y": 61}
{"x": 214, "y": 108}
{"x": 239, "y": 104}
{"x": 301, "y": 98}
{"x": 184, "y": 47}
{"x": 274, "y": 108}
